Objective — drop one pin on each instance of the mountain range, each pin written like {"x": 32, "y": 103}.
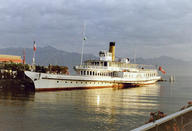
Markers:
{"x": 50, "y": 55}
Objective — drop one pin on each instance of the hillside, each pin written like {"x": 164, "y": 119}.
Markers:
{"x": 49, "y": 55}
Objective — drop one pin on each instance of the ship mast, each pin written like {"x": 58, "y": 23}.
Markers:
{"x": 83, "y": 42}
{"x": 135, "y": 56}
{"x": 33, "y": 60}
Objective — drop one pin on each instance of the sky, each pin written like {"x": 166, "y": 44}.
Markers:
{"x": 147, "y": 28}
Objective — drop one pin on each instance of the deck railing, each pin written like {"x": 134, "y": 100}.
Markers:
{"x": 114, "y": 67}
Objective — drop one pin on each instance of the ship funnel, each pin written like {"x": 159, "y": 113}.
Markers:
{"x": 112, "y": 50}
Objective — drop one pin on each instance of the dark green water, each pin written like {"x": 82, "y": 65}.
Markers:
{"x": 93, "y": 109}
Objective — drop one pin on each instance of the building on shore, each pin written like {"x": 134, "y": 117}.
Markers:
{"x": 10, "y": 59}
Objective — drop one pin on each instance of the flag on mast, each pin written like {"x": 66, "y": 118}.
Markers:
{"x": 34, "y": 46}
{"x": 34, "y": 50}
{"x": 162, "y": 70}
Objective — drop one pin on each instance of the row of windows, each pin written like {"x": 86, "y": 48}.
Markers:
{"x": 145, "y": 75}
{"x": 111, "y": 64}
{"x": 84, "y": 82}
{"x": 99, "y": 63}
{"x": 150, "y": 75}
{"x": 93, "y": 73}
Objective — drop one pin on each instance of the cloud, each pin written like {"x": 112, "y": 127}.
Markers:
{"x": 155, "y": 24}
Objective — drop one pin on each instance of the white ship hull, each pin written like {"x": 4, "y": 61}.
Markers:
{"x": 44, "y": 81}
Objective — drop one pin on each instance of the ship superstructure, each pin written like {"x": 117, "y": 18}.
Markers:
{"x": 107, "y": 71}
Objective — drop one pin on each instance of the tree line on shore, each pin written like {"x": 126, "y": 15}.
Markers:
{"x": 12, "y": 70}
{"x": 52, "y": 69}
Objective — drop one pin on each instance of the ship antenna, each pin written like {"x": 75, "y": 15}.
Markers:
{"x": 83, "y": 42}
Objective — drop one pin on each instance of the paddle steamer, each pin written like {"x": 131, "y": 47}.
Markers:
{"x": 99, "y": 73}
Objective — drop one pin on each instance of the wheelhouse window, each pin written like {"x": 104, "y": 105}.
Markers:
{"x": 105, "y": 63}
{"x": 101, "y": 63}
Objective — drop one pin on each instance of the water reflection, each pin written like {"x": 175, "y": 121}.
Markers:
{"x": 98, "y": 100}
{"x": 17, "y": 95}
{"x": 93, "y": 109}
{"x": 132, "y": 98}
{"x": 105, "y": 107}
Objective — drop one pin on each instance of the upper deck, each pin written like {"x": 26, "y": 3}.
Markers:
{"x": 113, "y": 66}
{"x": 107, "y": 65}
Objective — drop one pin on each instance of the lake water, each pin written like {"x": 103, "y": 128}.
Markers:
{"x": 92, "y": 109}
